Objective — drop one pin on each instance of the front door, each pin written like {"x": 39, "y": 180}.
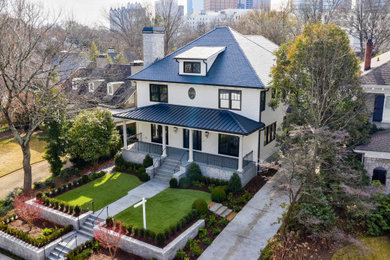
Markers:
{"x": 196, "y": 139}
{"x": 157, "y": 133}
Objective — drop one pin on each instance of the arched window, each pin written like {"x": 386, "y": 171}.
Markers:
{"x": 379, "y": 174}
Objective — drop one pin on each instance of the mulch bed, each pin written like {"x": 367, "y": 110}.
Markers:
{"x": 37, "y": 229}
{"x": 103, "y": 254}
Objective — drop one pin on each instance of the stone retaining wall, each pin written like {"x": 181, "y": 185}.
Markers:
{"x": 27, "y": 251}
{"x": 60, "y": 217}
{"x": 148, "y": 251}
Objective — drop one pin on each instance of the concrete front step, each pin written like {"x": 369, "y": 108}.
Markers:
{"x": 220, "y": 210}
{"x": 215, "y": 207}
{"x": 86, "y": 233}
{"x": 165, "y": 171}
{"x": 162, "y": 179}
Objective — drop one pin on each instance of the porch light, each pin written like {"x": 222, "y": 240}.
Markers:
{"x": 206, "y": 134}
{"x": 175, "y": 129}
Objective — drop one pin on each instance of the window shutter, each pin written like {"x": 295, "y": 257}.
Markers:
{"x": 378, "y": 108}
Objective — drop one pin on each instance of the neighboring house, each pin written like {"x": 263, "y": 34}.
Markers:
{"x": 206, "y": 103}
{"x": 69, "y": 64}
{"x": 106, "y": 86}
{"x": 375, "y": 81}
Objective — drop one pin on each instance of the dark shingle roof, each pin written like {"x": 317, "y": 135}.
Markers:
{"x": 379, "y": 142}
{"x": 379, "y": 74}
{"x": 194, "y": 117}
{"x": 245, "y": 62}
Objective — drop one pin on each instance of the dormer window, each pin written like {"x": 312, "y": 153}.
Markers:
{"x": 75, "y": 84}
{"x": 197, "y": 61}
{"x": 110, "y": 89}
{"x": 91, "y": 87}
{"x": 192, "y": 67}
{"x": 113, "y": 86}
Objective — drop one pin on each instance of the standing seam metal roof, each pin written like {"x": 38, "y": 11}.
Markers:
{"x": 194, "y": 117}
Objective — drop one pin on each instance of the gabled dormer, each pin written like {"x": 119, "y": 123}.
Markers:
{"x": 198, "y": 60}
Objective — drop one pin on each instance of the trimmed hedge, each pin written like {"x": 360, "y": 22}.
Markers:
{"x": 201, "y": 206}
{"x": 218, "y": 182}
{"x": 194, "y": 173}
{"x": 79, "y": 252}
{"x": 218, "y": 194}
{"x": 148, "y": 161}
{"x": 39, "y": 241}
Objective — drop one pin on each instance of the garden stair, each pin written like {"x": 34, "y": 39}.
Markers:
{"x": 84, "y": 234}
{"x": 166, "y": 170}
{"x": 221, "y": 210}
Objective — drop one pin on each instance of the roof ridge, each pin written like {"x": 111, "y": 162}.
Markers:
{"x": 244, "y": 55}
{"x": 177, "y": 50}
{"x": 233, "y": 115}
{"x": 245, "y": 36}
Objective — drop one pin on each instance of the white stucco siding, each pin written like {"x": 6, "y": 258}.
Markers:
{"x": 268, "y": 117}
{"x": 206, "y": 96}
{"x": 250, "y": 144}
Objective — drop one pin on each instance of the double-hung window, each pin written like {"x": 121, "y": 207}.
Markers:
{"x": 158, "y": 93}
{"x": 262, "y": 100}
{"x": 192, "y": 67}
{"x": 270, "y": 133}
{"x": 230, "y": 99}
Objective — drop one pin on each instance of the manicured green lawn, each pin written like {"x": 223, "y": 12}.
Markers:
{"x": 377, "y": 248}
{"x": 102, "y": 191}
{"x": 164, "y": 209}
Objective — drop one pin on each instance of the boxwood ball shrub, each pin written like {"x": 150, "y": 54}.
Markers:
{"x": 173, "y": 183}
{"x": 235, "y": 183}
{"x": 201, "y": 206}
{"x": 185, "y": 183}
{"x": 194, "y": 173}
{"x": 218, "y": 194}
{"x": 148, "y": 161}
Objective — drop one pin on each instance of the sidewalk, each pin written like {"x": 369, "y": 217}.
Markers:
{"x": 254, "y": 225}
{"x": 146, "y": 190}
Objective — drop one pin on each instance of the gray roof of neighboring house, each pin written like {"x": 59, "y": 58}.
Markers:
{"x": 70, "y": 64}
{"x": 218, "y": 120}
{"x": 246, "y": 62}
{"x": 110, "y": 73}
{"x": 379, "y": 142}
{"x": 379, "y": 74}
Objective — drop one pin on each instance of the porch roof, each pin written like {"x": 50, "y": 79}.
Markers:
{"x": 217, "y": 120}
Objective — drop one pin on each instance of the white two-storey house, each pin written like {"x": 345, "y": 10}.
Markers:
{"x": 206, "y": 103}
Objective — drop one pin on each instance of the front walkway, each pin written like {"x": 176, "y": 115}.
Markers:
{"x": 254, "y": 225}
{"x": 146, "y": 190}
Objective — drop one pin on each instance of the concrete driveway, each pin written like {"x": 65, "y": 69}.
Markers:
{"x": 40, "y": 171}
{"x": 254, "y": 225}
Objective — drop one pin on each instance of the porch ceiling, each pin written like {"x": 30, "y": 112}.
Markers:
{"x": 217, "y": 120}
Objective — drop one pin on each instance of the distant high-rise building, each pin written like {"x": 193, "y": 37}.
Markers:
{"x": 190, "y": 8}
{"x": 163, "y": 6}
{"x": 218, "y": 5}
{"x": 197, "y": 5}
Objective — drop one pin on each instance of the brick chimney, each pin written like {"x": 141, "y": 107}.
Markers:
{"x": 153, "y": 44}
{"x": 367, "y": 57}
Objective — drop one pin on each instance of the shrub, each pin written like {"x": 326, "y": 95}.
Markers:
{"x": 109, "y": 222}
{"x": 181, "y": 254}
{"x": 38, "y": 185}
{"x": 207, "y": 241}
{"x": 160, "y": 239}
{"x": 201, "y": 206}
{"x": 148, "y": 161}
{"x": 215, "y": 231}
{"x": 185, "y": 183}
{"x": 77, "y": 210}
{"x": 142, "y": 232}
{"x": 235, "y": 183}
{"x": 173, "y": 183}
{"x": 142, "y": 175}
{"x": 85, "y": 179}
{"x": 194, "y": 173}
{"x": 218, "y": 194}
{"x": 129, "y": 228}
{"x": 202, "y": 232}
{"x": 71, "y": 209}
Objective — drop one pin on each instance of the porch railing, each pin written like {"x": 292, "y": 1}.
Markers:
{"x": 147, "y": 148}
{"x": 134, "y": 138}
{"x": 216, "y": 160}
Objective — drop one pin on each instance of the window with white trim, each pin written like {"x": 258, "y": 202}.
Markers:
{"x": 91, "y": 87}
{"x": 110, "y": 89}
{"x": 75, "y": 84}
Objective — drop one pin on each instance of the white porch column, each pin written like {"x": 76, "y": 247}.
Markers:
{"x": 164, "y": 141}
{"x": 190, "y": 147}
{"x": 124, "y": 134}
{"x": 240, "y": 154}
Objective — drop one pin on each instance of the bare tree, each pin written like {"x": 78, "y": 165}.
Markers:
{"x": 170, "y": 17}
{"x": 29, "y": 55}
{"x": 318, "y": 10}
{"x": 278, "y": 27}
{"x": 370, "y": 19}
{"x": 126, "y": 25}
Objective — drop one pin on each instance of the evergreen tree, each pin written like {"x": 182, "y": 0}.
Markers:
{"x": 93, "y": 52}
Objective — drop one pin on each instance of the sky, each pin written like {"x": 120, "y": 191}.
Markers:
{"x": 87, "y": 12}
